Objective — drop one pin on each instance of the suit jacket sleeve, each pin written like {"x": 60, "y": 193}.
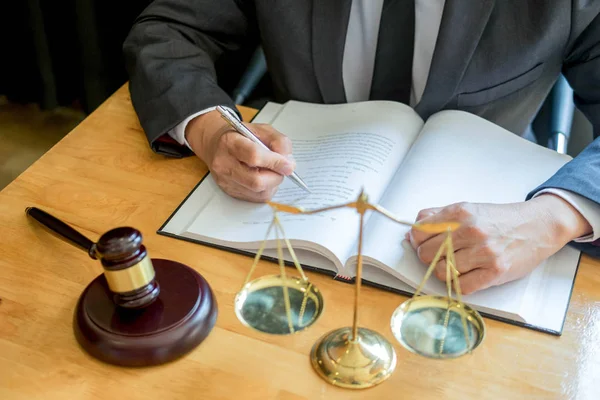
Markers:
{"x": 170, "y": 54}
{"x": 582, "y": 69}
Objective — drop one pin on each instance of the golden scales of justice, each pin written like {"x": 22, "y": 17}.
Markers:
{"x": 437, "y": 327}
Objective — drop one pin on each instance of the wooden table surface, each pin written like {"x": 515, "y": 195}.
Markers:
{"x": 103, "y": 175}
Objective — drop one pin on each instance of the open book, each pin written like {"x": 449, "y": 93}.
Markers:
{"x": 404, "y": 164}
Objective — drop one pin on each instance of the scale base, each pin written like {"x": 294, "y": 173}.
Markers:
{"x": 356, "y": 364}
{"x": 178, "y": 320}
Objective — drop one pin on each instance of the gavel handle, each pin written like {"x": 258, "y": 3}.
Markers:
{"x": 63, "y": 230}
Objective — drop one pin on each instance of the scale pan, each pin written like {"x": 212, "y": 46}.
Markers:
{"x": 432, "y": 326}
{"x": 260, "y": 304}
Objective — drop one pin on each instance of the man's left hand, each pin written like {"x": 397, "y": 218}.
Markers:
{"x": 498, "y": 243}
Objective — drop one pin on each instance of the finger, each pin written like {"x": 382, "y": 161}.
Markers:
{"x": 465, "y": 261}
{"x": 477, "y": 279}
{"x": 253, "y": 155}
{"x": 464, "y": 237}
{"x": 415, "y": 236}
{"x": 459, "y": 212}
{"x": 254, "y": 179}
{"x": 440, "y": 270}
{"x": 272, "y": 138}
{"x": 427, "y": 212}
{"x": 240, "y": 192}
{"x": 427, "y": 250}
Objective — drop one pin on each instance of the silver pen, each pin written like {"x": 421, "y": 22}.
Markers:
{"x": 242, "y": 130}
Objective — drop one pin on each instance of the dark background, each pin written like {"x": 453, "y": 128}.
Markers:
{"x": 69, "y": 52}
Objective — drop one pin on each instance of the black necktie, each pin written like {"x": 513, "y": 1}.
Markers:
{"x": 392, "y": 73}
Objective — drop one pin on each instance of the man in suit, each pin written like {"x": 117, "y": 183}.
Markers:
{"x": 494, "y": 58}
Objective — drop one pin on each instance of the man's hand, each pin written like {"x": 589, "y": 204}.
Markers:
{"x": 498, "y": 243}
{"x": 240, "y": 167}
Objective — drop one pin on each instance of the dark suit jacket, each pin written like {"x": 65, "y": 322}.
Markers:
{"x": 494, "y": 58}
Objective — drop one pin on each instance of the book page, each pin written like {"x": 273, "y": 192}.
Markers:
{"x": 458, "y": 157}
{"x": 339, "y": 149}
{"x": 549, "y": 290}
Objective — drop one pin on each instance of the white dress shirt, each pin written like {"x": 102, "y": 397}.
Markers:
{"x": 357, "y": 71}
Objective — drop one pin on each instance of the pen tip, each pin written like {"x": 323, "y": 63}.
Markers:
{"x": 304, "y": 186}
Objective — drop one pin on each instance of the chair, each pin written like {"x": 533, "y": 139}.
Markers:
{"x": 257, "y": 68}
{"x": 561, "y": 115}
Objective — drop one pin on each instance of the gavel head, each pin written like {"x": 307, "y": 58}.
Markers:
{"x": 127, "y": 267}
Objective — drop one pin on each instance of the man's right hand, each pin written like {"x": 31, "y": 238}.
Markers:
{"x": 240, "y": 167}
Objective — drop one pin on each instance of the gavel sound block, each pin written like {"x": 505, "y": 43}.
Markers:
{"x": 140, "y": 311}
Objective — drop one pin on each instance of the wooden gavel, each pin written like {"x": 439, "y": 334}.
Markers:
{"x": 127, "y": 267}
{"x": 124, "y": 316}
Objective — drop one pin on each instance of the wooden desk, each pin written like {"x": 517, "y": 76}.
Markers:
{"x": 103, "y": 175}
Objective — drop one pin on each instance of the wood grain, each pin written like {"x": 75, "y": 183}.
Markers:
{"x": 103, "y": 175}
